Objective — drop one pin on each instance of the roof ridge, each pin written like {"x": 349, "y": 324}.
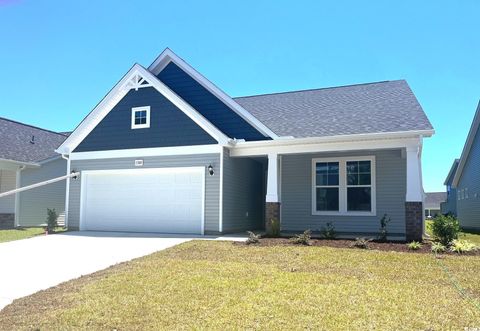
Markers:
{"x": 317, "y": 89}
{"x": 31, "y": 126}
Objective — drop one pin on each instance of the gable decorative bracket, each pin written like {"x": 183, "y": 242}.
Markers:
{"x": 136, "y": 82}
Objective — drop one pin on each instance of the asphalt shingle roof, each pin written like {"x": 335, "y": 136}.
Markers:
{"x": 17, "y": 145}
{"x": 433, "y": 199}
{"x": 388, "y": 106}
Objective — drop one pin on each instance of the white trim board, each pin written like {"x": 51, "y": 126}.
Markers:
{"x": 168, "y": 56}
{"x": 118, "y": 92}
{"x": 145, "y": 152}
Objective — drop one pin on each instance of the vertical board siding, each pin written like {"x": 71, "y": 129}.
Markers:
{"x": 33, "y": 203}
{"x": 242, "y": 194}
{"x": 212, "y": 108}
{"x": 296, "y": 187}
{"x": 8, "y": 180}
{"x": 212, "y": 183}
{"x": 468, "y": 208}
{"x": 169, "y": 126}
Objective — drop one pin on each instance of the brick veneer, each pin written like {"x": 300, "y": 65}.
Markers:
{"x": 414, "y": 220}
{"x": 7, "y": 221}
{"x": 272, "y": 211}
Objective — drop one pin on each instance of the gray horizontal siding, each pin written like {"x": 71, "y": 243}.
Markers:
{"x": 8, "y": 179}
{"x": 33, "y": 203}
{"x": 169, "y": 126}
{"x": 212, "y": 183}
{"x": 242, "y": 194}
{"x": 296, "y": 187}
{"x": 468, "y": 209}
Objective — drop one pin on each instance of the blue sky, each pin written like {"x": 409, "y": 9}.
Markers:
{"x": 59, "y": 58}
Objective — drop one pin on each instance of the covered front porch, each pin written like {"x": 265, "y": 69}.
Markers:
{"x": 350, "y": 185}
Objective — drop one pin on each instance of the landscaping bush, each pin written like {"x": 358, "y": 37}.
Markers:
{"x": 445, "y": 228}
{"x": 328, "y": 232}
{"x": 362, "y": 243}
{"x": 414, "y": 246}
{"x": 302, "y": 239}
{"x": 438, "y": 247}
{"x": 463, "y": 246}
{"x": 52, "y": 217}
{"x": 274, "y": 228}
{"x": 382, "y": 236}
{"x": 252, "y": 238}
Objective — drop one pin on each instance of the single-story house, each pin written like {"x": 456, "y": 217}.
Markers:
{"x": 27, "y": 156}
{"x": 467, "y": 178}
{"x": 433, "y": 201}
{"x": 166, "y": 150}
{"x": 450, "y": 204}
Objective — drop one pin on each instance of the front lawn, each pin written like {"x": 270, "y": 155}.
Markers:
{"x": 222, "y": 285}
{"x": 22, "y": 233}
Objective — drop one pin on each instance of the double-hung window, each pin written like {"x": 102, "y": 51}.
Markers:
{"x": 141, "y": 117}
{"x": 344, "y": 186}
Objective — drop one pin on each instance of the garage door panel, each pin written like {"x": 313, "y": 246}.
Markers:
{"x": 150, "y": 200}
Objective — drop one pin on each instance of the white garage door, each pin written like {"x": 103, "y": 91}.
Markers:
{"x": 167, "y": 200}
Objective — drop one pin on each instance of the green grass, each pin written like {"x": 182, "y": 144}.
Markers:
{"x": 22, "y": 233}
{"x": 474, "y": 237}
{"x": 16, "y": 234}
{"x": 222, "y": 286}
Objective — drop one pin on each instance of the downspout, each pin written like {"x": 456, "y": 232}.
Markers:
{"x": 17, "y": 196}
{"x": 67, "y": 189}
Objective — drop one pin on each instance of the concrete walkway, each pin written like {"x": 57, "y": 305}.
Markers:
{"x": 30, "y": 265}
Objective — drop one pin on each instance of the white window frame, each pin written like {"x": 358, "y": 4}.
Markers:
{"x": 140, "y": 126}
{"x": 342, "y": 187}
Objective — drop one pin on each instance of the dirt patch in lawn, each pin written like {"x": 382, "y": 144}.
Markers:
{"x": 346, "y": 243}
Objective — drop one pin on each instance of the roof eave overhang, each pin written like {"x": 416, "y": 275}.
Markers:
{"x": 20, "y": 163}
{"x": 331, "y": 143}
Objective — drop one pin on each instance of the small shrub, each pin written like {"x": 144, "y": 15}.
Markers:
{"x": 302, "y": 239}
{"x": 328, "y": 232}
{"x": 52, "y": 217}
{"x": 462, "y": 246}
{"x": 252, "y": 238}
{"x": 414, "y": 246}
{"x": 274, "y": 228}
{"x": 438, "y": 247}
{"x": 362, "y": 243}
{"x": 382, "y": 236}
{"x": 445, "y": 228}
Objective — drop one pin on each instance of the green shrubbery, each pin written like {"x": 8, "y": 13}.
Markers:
{"x": 52, "y": 217}
{"x": 274, "y": 228}
{"x": 252, "y": 238}
{"x": 328, "y": 231}
{"x": 302, "y": 239}
{"x": 414, "y": 245}
{"x": 438, "y": 247}
{"x": 362, "y": 243}
{"x": 445, "y": 228}
{"x": 462, "y": 246}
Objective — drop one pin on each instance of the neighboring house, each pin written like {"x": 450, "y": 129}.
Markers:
{"x": 27, "y": 156}
{"x": 467, "y": 178}
{"x": 168, "y": 151}
{"x": 432, "y": 203}
{"x": 450, "y": 204}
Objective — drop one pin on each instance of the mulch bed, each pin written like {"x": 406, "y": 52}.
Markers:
{"x": 346, "y": 243}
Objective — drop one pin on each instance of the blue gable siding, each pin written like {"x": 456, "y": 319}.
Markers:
{"x": 169, "y": 126}
{"x": 219, "y": 114}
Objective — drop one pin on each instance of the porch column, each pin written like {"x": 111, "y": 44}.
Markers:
{"x": 272, "y": 206}
{"x": 414, "y": 196}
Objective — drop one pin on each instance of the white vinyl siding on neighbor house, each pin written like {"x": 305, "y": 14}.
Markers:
{"x": 344, "y": 186}
{"x": 7, "y": 183}
{"x": 33, "y": 204}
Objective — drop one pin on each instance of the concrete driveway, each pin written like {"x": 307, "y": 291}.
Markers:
{"x": 30, "y": 265}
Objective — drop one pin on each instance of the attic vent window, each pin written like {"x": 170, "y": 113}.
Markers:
{"x": 141, "y": 117}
